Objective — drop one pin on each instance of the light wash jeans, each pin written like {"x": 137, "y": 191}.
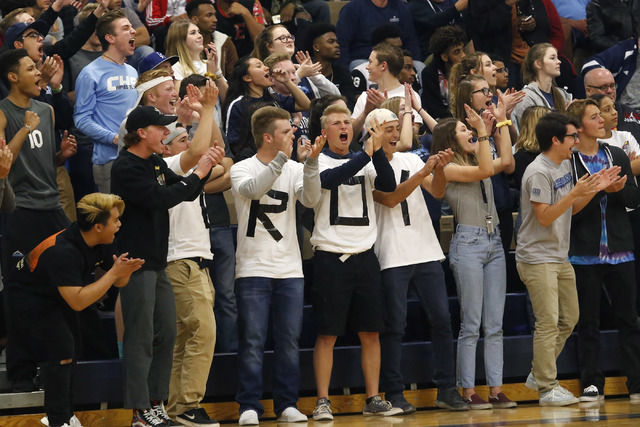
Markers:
{"x": 478, "y": 264}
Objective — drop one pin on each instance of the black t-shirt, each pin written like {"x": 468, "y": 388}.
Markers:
{"x": 236, "y": 28}
{"x": 63, "y": 259}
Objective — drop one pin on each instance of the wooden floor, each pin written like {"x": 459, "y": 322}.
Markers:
{"x": 618, "y": 412}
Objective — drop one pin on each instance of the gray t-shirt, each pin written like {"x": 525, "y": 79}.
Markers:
{"x": 33, "y": 175}
{"x": 467, "y": 204}
{"x": 544, "y": 181}
{"x": 631, "y": 93}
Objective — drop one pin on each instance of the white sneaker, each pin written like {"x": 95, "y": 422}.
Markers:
{"x": 634, "y": 397}
{"x": 531, "y": 382}
{"x": 591, "y": 394}
{"x": 292, "y": 415}
{"x": 249, "y": 418}
{"x": 73, "y": 422}
{"x": 557, "y": 397}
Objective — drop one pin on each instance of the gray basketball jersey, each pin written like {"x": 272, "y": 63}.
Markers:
{"x": 33, "y": 175}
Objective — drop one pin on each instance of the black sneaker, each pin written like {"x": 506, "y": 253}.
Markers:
{"x": 161, "y": 413}
{"x": 197, "y": 417}
{"x": 451, "y": 400}
{"x": 399, "y": 401}
{"x": 146, "y": 418}
{"x": 591, "y": 394}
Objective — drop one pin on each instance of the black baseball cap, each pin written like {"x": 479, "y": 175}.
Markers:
{"x": 143, "y": 116}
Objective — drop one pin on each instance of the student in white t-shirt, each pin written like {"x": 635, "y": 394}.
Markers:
{"x": 269, "y": 275}
{"x": 617, "y": 138}
{"x": 187, "y": 259}
{"x": 385, "y": 65}
{"x": 409, "y": 252}
{"x": 346, "y": 289}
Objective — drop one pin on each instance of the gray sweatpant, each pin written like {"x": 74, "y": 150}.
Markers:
{"x": 149, "y": 313}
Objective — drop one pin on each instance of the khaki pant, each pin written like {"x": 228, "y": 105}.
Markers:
{"x": 196, "y": 335}
{"x": 65, "y": 189}
{"x": 552, "y": 289}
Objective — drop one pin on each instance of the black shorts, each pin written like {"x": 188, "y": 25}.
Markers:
{"x": 347, "y": 295}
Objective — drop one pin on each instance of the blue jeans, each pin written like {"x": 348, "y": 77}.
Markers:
{"x": 223, "y": 275}
{"x": 478, "y": 264}
{"x": 428, "y": 281}
{"x": 284, "y": 299}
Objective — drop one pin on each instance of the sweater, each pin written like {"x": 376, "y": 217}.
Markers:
{"x": 359, "y": 18}
{"x": 149, "y": 189}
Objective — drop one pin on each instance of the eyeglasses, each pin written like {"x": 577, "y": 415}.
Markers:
{"x": 603, "y": 88}
{"x": 34, "y": 35}
{"x": 485, "y": 91}
{"x": 284, "y": 39}
{"x": 503, "y": 70}
{"x": 572, "y": 135}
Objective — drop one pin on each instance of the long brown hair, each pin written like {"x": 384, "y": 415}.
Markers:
{"x": 463, "y": 94}
{"x": 530, "y": 72}
{"x": 265, "y": 38}
{"x": 445, "y": 136}
{"x": 464, "y": 68}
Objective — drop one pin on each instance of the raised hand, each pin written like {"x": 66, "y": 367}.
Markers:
{"x": 68, "y": 145}
{"x": 489, "y": 120}
{"x": 56, "y": 79}
{"x": 280, "y": 75}
{"x": 123, "y": 267}
{"x": 375, "y": 98}
{"x": 208, "y": 160}
{"x": 408, "y": 98}
{"x": 303, "y": 149}
{"x": 305, "y": 66}
{"x": 31, "y": 119}
{"x": 500, "y": 110}
{"x": 444, "y": 158}
{"x": 429, "y": 165}
{"x": 375, "y": 139}
{"x": 511, "y": 98}
{"x": 211, "y": 52}
{"x": 6, "y": 158}
{"x": 475, "y": 121}
{"x": 48, "y": 68}
{"x": 410, "y": 94}
{"x": 316, "y": 148}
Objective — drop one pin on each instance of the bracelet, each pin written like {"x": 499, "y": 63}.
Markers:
{"x": 483, "y": 138}
{"x": 28, "y": 127}
{"x": 406, "y": 112}
{"x": 420, "y": 110}
{"x": 219, "y": 74}
{"x": 505, "y": 123}
{"x": 56, "y": 91}
{"x": 211, "y": 76}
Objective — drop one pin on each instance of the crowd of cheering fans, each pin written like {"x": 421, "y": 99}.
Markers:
{"x": 124, "y": 122}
